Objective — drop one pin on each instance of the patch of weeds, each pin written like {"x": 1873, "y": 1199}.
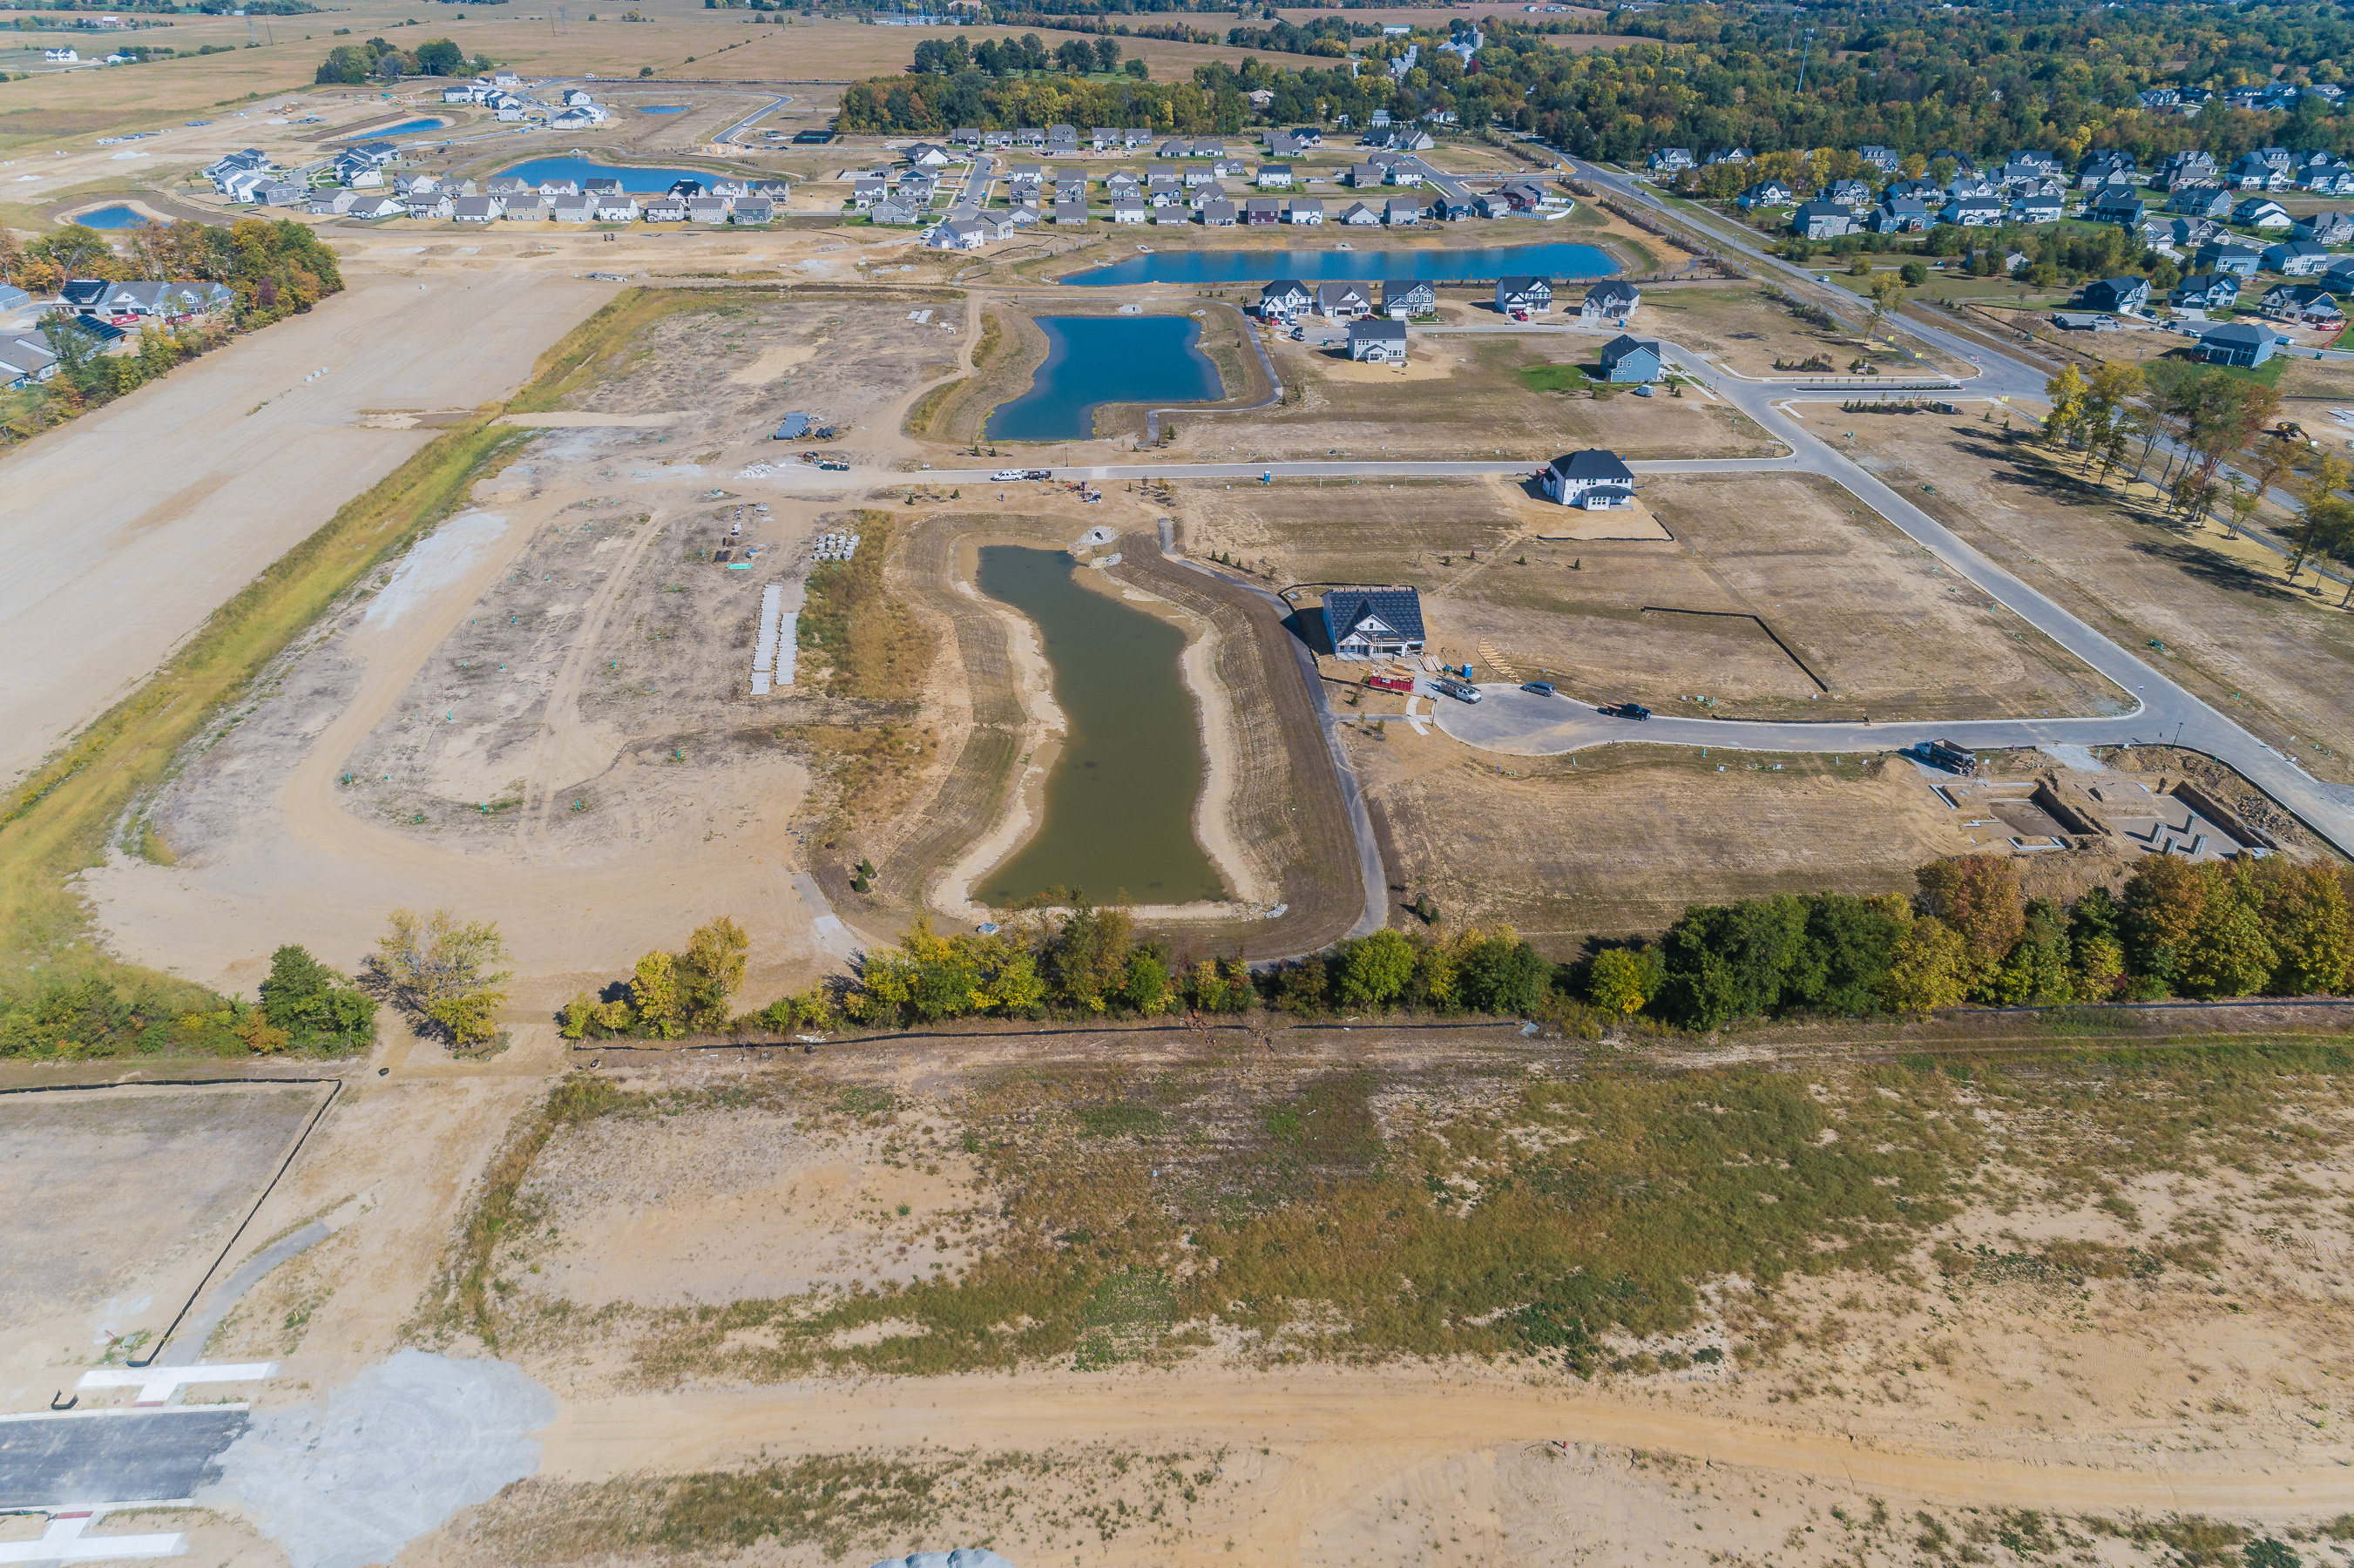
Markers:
{"x": 1125, "y": 1318}
{"x": 835, "y": 1501}
{"x": 863, "y": 1099}
{"x": 1120, "y": 1118}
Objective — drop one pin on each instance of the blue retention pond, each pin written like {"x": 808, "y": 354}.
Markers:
{"x": 406, "y": 128}
{"x": 637, "y": 181}
{"x": 1552, "y": 260}
{"x": 112, "y": 218}
{"x": 1095, "y": 360}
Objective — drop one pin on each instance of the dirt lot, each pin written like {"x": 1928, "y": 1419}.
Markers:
{"x": 2278, "y": 661}
{"x": 543, "y": 713}
{"x": 1666, "y": 621}
{"x": 158, "y": 543}
{"x": 1742, "y": 331}
{"x": 1459, "y": 397}
{"x": 116, "y": 1201}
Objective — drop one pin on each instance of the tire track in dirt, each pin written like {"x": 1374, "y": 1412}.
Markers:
{"x": 559, "y": 720}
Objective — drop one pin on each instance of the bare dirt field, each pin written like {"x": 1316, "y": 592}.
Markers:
{"x": 2276, "y": 660}
{"x": 113, "y": 562}
{"x": 116, "y": 1201}
{"x": 1736, "y": 605}
{"x": 543, "y": 711}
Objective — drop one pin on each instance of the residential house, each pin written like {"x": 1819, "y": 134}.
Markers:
{"x": 2033, "y": 210}
{"x": 1029, "y": 137}
{"x": 1670, "y": 160}
{"x": 1612, "y": 299}
{"x": 573, "y": 206}
{"x": 1974, "y": 212}
{"x": 1962, "y": 162}
{"x": 1072, "y": 213}
{"x": 929, "y": 156}
{"x": 2117, "y": 206}
{"x": 2201, "y": 201}
{"x": 1823, "y": 220}
{"x": 1357, "y": 215}
{"x": 958, "y": 234}
{"x": 2324, "y": 229}
{"x": 1592, "y": 480}
{"x": 559, "y": 185}
{"x": 1628, "y": 358}
{"x": 2125, "y": 294}
{"x": 1377, "y": 342}
{"x": 478, "y": 209}
{"x": 373, "y": 208}
{"x": 2254, "y": 171}
{"x": 1103, "y": 139}
{"x": 2222, "y": 254}
{"x": 330, "y": 203}
{"x": 1928, "y": 191}
{"x": 1176, "y": 149}
{"x": 666, "y": 209}
{"x": 1399, "y": 211}
{"x": 1885, "y": 159}
{"x": 2262, "y": 213}
{"x": 2310, "y": 303}
{"x": 1261, "y": 210}
{"x": 2191, "y": 167}
{"x": 431, "y": 203}
{"x": 2206, "y": 291}
{"x": 1853, "y": 195}
{"x": 2161, "y": 98}
{"x": 1403, "y": 298}
{"x": 753, "y": 210}
{"x": 1344, "y": 301}
{"x": 1220, "y": 215}
{"x": 1765, "y": 193}
{"x": 706, "y": 210}
{"x": 26, "y": 359}
{"x": 1135, "y": 136}
{"x": 1062, "y": 141}
{"x": 1275, "y": 177}
{"x": 1374, "y": 622}
{"x": 1904, "y": 215}
{"x": 1363, "y": 175}
{"x": 2298, "y": 259}
{"x": 1529, "y": 296}
{"x": 2105, "y": 165}
{"x": 1305, "y": 209}
{"x": 992, "y": 140}
{"x": 1129, "y": 209}
{"x": 1284, "y": 299}
{"x": 530, "y": 206}
{"x": 1729, "y": 156}
{"x": 2242, "y": 344}
{"x": 966, "y": 136}
{"x": 1523, "y": 195}
{"x": 616, "y": 206}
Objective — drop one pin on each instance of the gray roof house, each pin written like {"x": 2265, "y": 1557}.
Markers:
{"x": 1344, "y": 301}
{"x": 1405, "y": 297}
{"x": 1376, "y": 342}
{"x": 1823, "y": 220}
{"x": 1374, "y": 622}
{"x": 1285, "y": 297}
{"x": 1592, "y": 480}
{"x": 1533, "y": 295}
{"x": 1631, "y": 359}
{"x": 1611, "y": 300}
{"x": 2239, "y": 342}
{"x": 2127, "y": 293}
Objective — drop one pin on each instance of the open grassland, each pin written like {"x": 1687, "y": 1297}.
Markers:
{"x": 2277, "y": 659}
{"x": 1744, "y": 329}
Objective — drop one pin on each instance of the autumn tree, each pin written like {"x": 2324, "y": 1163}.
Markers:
{"x": 1979, "y": 896}
{"x": 443, "y": 970}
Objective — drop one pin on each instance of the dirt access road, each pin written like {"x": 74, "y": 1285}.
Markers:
{"x": 125, "y": 529}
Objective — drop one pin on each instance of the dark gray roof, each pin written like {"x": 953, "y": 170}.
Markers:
{"x": 1400, "y": 609}
{"x": 1595, "y": 463}
{"x": 1625, "y": 343}
{"x": 1375, "y": 327}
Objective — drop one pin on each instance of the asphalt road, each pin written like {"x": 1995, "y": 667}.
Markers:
{"x": 113, "y": 1456}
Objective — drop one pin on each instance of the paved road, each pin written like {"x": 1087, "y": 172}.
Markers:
{"x": 113, "y": 1456}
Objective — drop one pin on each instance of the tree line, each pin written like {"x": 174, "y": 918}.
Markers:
{"x": 1973, "y": 82}
{"x": 1019, "y": 57}
{"x": 2250, "y": 926}
{"x": 306, "y": 1007}
{"x": 351, "y": 64}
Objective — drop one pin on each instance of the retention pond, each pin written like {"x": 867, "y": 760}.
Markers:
{"x": 1095, "y": 360}
{"x": 1118, "y": 802}
{"x": 1549, "y": 261}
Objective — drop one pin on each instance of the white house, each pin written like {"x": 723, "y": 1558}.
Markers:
{"x": 1375, "y": 342}
{"x": 1592, "y": 480}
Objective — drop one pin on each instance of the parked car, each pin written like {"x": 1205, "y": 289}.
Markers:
{"x": 1628, "y": 710}
{"x": 1005, "y": 476}
{"x": 1461, "y": 691}
{"x": 834, "y": 465}
{"x": 1541, "y": 688}
{"x": 1037, "y": 473}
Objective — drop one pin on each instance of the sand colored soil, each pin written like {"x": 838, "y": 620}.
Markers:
{"x": 156, "y": 543}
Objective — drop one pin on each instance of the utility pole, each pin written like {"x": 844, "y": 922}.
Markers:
{"x": 1803, "y": 49}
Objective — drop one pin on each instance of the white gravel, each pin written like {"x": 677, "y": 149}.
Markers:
{"x": 386, "y": 1459}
